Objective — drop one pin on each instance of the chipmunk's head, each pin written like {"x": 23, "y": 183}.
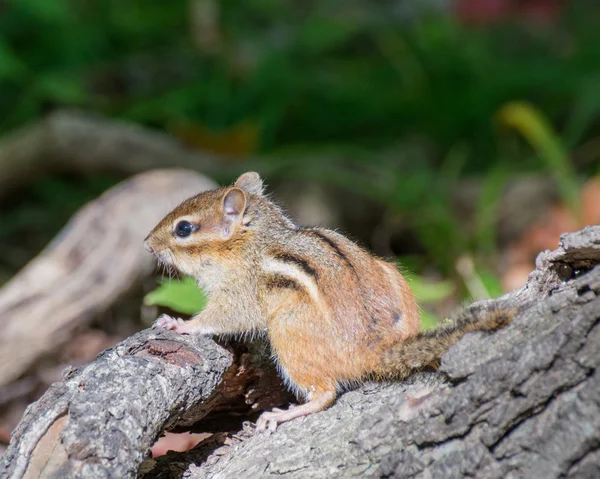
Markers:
{"x": 206, "y": 228}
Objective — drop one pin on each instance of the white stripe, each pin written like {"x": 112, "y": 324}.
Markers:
{"x": 272, "y": 265}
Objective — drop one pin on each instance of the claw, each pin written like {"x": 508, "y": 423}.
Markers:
{"x": 268, "y": 421}
{"x": 165, "y": 321}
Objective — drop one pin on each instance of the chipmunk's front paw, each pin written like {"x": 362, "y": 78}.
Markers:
{"x": 268, "y": 421}
{"x": 165, "y": 321}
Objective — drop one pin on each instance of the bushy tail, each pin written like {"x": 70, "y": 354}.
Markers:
{"x": 424, "y": 351}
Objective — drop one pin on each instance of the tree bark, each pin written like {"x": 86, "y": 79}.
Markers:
{"x": 522, "y": 402}
{"x": 101, "y": 420}
{"x": 92, "y": 262}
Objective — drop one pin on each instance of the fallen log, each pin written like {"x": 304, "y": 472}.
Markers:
{"x": 518, "y": 403}
{"x": 522, "y": 402}
{"x": 101, "y": 420}
{"x": 93, "y": 261}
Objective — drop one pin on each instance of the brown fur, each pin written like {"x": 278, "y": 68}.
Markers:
{"x": 423, "y": 352}
{"x": 333, "y": 313}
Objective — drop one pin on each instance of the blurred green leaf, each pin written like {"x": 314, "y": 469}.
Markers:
{"x": 428, "y": 320}
{"x": 54, "y": 11}
{"x": 11, "y": 66}
{"x": 181, "y": 296}
{"x": 320, "y": 34}
{"x": 428, "y": 291}
{"x": 487, "y": 209}
{"x": 586, "y": 110}
{"x": 61, "y": 87}
{"x": 531, "y": 123}
{"x": 491, "y": 281}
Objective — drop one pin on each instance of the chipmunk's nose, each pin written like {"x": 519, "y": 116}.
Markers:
{"x": 147, "y": 246}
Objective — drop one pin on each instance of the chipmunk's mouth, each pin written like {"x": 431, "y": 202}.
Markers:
{"x": 166, "y": 261}
{"x": 165, "y": 257}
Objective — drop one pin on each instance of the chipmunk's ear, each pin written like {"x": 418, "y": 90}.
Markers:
{"x": 234, "y": 204}
{"x": 251, "y": 183}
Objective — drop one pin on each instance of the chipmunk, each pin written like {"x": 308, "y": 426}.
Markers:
{"x": 333, "y": 313}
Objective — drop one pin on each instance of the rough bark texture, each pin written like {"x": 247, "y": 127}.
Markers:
{"x": 93, "y": 261}
{"x": 523, "y": 402}
{"x": 101, "y": 420}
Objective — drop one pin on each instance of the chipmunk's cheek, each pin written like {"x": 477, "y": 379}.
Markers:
{"x": 163, "y": 257}
{"x": 182, "y": 265}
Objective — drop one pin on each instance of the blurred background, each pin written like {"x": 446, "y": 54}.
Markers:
{"x": 459, "y": 137}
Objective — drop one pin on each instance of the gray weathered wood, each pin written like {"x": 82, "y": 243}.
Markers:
{"x": 522, "y": 402}
{"x": 102, "y": 419}
{"x": 93, "y": 261}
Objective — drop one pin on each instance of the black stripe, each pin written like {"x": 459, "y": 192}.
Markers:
{"x": 333, "y": 245}
{"x": 302, "y": 263}
{"x": 278, "y": 281}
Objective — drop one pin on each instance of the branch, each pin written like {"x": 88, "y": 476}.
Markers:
{"x": 92, "y": 262}
{"x": 74, "y": 141}
{"x": 522, "y": 402}
{"x": 101, "y": 420}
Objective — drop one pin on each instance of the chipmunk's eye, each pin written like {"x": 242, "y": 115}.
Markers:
{"x": 184, "y": 228}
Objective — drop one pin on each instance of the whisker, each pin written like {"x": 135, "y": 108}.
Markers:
{"x": 175, "y": 272}
{"x": 164, "y": 268}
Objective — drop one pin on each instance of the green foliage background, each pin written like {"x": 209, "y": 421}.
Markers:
{"x": 314, "y": 73}
{"x": 403, "y": 105}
